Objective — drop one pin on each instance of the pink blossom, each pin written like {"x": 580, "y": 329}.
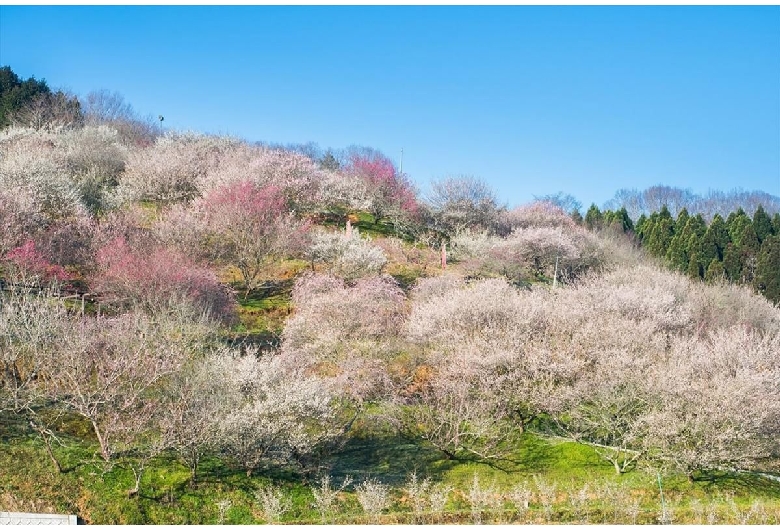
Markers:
{"x": 158, "y": 278}
{"x": 29, "y": 261}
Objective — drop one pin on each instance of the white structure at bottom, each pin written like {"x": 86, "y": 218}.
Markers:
{"x": 36, "y": 518}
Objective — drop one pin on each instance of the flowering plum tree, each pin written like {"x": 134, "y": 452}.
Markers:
{"x": 392, "y": 193}
{"x": 349, "y": 333}
{"x": 333, "y": 321}
{"x": 29, "y": 324}
{"x": 462, "y": 202}
{"x": 193, "y": 403}
{"x": 69, "y": 243}
{"x": 169, "y": 171}
{"x": 538, "y": 214}
{"x": 662, "y": 379}
{"x": 528, "y": 253}
{"x": 19, "y": 220}
{"x": 158, "y": 280}
{"x": 716, "y": 402}
{"x": 491, "y": 369}
{"x": 109, "y": 370}
{"x": 296, "y": 177}
{"x": 273, "y": 412}
{"x": 27, "y": 267}
{"x": 250, "y": 226}
{"x": 95, "y": 159}
{"x": 348, "y": 256}
{"x": 34, "y": 170}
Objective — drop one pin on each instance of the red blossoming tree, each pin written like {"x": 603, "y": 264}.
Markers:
{"x": 392, "y": 193}
{"x": 159, "y": 279}
{"x": 27, "y": 266}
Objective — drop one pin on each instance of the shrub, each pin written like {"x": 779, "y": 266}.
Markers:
{"x": 374, "y": 497}
{"x": 347, "y": 256}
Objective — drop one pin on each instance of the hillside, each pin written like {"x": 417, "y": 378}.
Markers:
{"x": 196, "y": 329}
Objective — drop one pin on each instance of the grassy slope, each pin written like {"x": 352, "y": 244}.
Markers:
{"x": 99, "y": 494}
{"x": 586, "y": 489}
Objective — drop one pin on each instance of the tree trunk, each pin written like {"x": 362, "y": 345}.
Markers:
{"x": 45, "y": 434}
{"x": 136, "y": 488}
{"x": 193, "y": 469}
{"x": 105, "y": 451}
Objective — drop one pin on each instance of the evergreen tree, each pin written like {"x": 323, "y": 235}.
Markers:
{"x": 733, "y": 216}
{"x": 682, "y": 220}
{"x": 329, "y": 162}
{"x": 762, "y": 224}
{"x": 749, "y": 248}
{"x": 625, "y": 220}
{"x": 776, "y": 224}
{"x": 640, "y": 226}
{"x": 732, "y": 263}
{"x": 577, "y": 216}
{"x": 715, "y": 272}
{"x": 677, "y": 253}
{"x": 767, "y": 279}
{"x": 736, "y": 225}
{"x": 715, "y": 240}
{"x": 745, "y": 246}
{"x": 661, "y": 233}
{"x": 15, "y": 93}
{"x": 694, "y": 269}
{"x": 593, "y": 217}
{"x": 613, "y": 221}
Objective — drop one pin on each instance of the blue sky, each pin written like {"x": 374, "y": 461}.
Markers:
{"x": 533, "y": 100}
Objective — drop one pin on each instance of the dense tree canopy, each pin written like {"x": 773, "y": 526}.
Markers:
{"x": 731, "y": 250}
{"x": 32, "y": 103}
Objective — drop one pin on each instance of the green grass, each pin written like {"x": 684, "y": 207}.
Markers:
{"x": 262, "y": 313}
{"x": 98, "y": 493}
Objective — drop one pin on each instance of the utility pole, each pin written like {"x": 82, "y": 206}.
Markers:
{"x": 401, "y": 165}
{"x": 557, "y": 257}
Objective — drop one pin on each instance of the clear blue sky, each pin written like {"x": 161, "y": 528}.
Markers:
{"x": 534, "y": 100}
